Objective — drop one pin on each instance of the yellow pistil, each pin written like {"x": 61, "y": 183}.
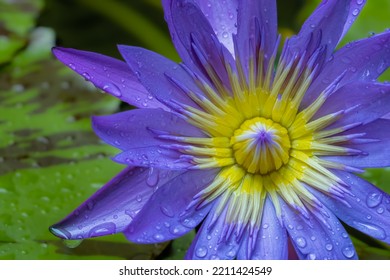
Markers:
{"x": 264, "y": 143}
{"x": 261, "y": 145}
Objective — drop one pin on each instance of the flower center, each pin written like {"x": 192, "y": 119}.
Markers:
{"x": 261, "y": 145}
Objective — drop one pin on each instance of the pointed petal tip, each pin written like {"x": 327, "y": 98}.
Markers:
{"x": 59, "y": 232}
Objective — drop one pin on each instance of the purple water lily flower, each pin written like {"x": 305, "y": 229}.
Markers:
{"x": 259, "y": 149}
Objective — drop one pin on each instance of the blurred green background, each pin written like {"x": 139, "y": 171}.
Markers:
{"x": 50, "y": 160}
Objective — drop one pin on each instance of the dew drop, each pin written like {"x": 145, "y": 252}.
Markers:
{"x": 177, "y": 230}
{"x": 225, "y": 34}
{"x": 214, "y": 257}
{"x": 374, "y": 199}
{"x": 344, "y": 235}
{"x": 139, "y": 198}
{"x": 86, "y": 76}
{"x": 359, "y": 2}
{"x": 301, "y": 242}
{"x": 311, "y": 256}
{"x": 72, "y": 243}
{"x": 313, "y": 238}
{"x": 72, "y": 66}
{"x": 355, "y": 12}
{"x": 348, "y": 252}
{"x": 113, "y": 89}
{"x": 370, "y": 229}
{"x": 265, "y": 226}
{"x": 167, "y": 211}
{"x": 158, "y": 237}
{"x": 189, "y": 223}
{"x": 201, "y": 252}
{"x": 231, "y": 254}
{"x": 103, "y": 229}
{"x": 153, "y": 177}
{"x": 380, "y": 210}
{"x": 329, "y": 247}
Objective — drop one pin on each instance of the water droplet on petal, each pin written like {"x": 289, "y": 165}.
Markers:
{"x": 348, "y": 252}
{"x": 311, "y": 256}
{"x": 189, "y": 223}
{"x": 72, "y": 66}
{"x": 113, "y": 89}
{"x": 153, "y": 177}
{"x": 158, "y": 237}
{"x": 231, "y": 253}
{"x": 301, "y": 242}
{"x": 374, "y": 199}
{"x": 177, "y": 230}
{"x": 355, "y": 12}
{"x": 103, "y": 229}
{"x": 329, "y": 247}
{"x": 373, "y": 230}
{"x": 201, "y": 252}
{"x": 167, "y": 211}
{"x": 139, "y": 198}
{"x": 380, "y": 210}
{"x": 86, "y": 76}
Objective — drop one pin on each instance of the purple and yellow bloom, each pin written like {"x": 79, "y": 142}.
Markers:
{"x": 259, "y": 148}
